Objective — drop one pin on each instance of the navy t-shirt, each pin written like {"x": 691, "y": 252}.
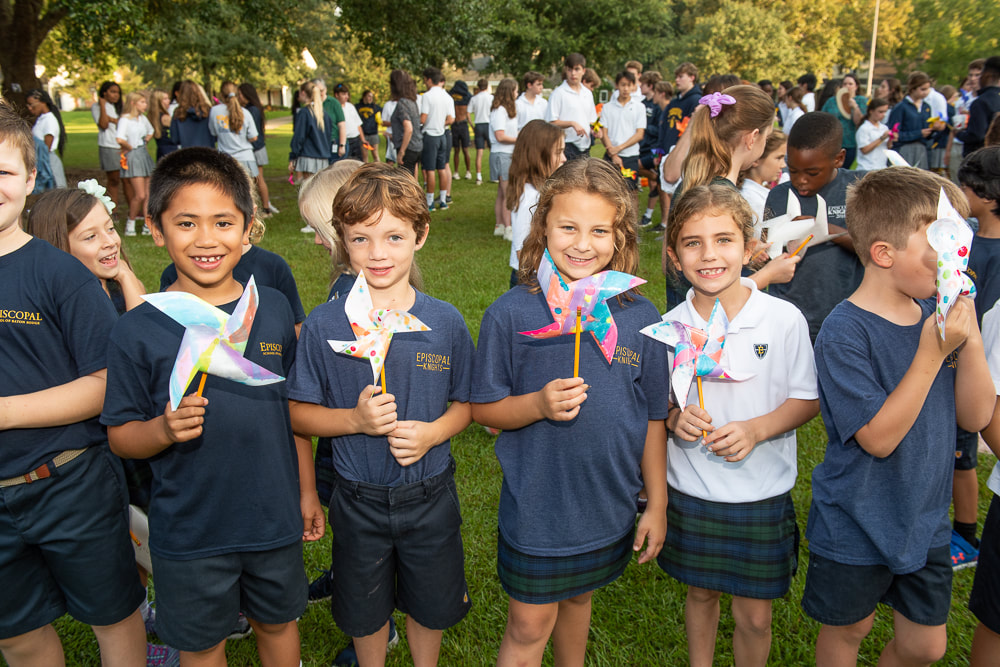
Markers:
{"x": 235, "y": 488}
{"x": 369, "y": 124}
{"x": 268, "y": 268}
{"x": 54, "y": 325}
{"x": 828, "y": 273}
{"x": 571, "y": 487}
{"x": 984, "y": 269}
{"x": 424, "y": 370}
{"x": 879, "y": 511}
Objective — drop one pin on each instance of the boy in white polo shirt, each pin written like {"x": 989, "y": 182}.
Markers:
{"x": 571, "y": 106}
{"x": 531, "y": 105}
{"x": 436, "y": 113}
{"x": 625, "y": 123}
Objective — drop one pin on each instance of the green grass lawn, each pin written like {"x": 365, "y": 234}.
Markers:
{"x": 639, "y": 619}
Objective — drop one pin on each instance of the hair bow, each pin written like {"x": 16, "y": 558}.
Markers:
{"x": 98, "y": 191}
{"x": 715, "y": 101}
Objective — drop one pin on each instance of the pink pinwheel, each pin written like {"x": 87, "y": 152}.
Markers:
{"x": 715, "y": 101}
{"x": 697, "y": 354}
{"x": 214, "y": 341}
{"x": 590, "y": 295}
{"x": 951, "y": 237}
{"x": 373, "y": 328}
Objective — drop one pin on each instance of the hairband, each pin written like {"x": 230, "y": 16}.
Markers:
{"x": 715, "y": 101}
{"x": 97, "y": 191}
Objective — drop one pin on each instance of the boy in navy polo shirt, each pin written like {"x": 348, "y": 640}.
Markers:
{"x": 890, "y": 391}
{"x": 394, "y": 508}
{"x": 64, "y": 543}
{"x": 230, "y": 503}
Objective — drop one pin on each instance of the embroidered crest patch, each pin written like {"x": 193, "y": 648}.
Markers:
{"x": 760, "y": 349}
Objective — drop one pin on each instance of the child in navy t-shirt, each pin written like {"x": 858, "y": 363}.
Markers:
{"x": 393, "y": 488}
{"x": 891, "y": 389}
{"x": 230, "y": 503}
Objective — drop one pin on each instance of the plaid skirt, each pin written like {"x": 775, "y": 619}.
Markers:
{"x": 140, "y": 165}
{"x": 543, "y": 579}
{"x": 744, "y": 549}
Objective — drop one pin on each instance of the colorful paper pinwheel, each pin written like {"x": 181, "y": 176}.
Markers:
{"x": 697, "y": 353}
{"x": 628, "y": 173}
{"x": 951, "y": 237}
{"x": 373, "y": 328}
{"x": 589, "y": 295}
{"x": 214, "y": 341}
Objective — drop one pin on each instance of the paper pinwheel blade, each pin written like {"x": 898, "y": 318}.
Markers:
{"x": 697, "y": 353}
{"x": 784, "y": 228}
{"x": 590, "y": 294}
{"x": 895, "y": 159}
{"x": 951, "y": 237}
{"x": 213, "y": 342}
{"x": 373, "y": 327}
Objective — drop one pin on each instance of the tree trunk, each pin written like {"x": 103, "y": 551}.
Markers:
{"x": 23, "y": 28}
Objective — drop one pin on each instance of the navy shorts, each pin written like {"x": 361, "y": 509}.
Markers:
{"x": 984, "y": 601}
{"x": 435, "y": 153}
{"x": 197, "y": 601}
{"x": 838, "y": 594}
{"x": 64, "y": 547}
{"x": 481, "y": 132}
{"x": 648, "y": 161}
{"x": 460, "y": 134}
{"x": 966, "y": 450}
{"x": 397, "y": 547}
{"x": 631, "y": 164}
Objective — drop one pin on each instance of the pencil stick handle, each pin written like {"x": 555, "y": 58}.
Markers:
{"x": 701, "y": 403}
{"x": 381, "y": 375}
{"x": 576, "y": 347}
{"x": 201, "y": 384}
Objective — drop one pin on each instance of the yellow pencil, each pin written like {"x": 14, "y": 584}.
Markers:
{"x": 576, "y": 350}
{"x": 802, "y": 245}
{"x": 701, "y": 403}
{"x": 201, "y": 385}
{"x": 381, "y": 374}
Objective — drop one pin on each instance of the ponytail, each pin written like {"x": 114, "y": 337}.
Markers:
{"x": 713, "y": 137}
{"x": 232, "y": 102}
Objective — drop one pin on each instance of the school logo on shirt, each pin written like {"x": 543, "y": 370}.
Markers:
{"x": 836, "y": 212}
{"x": 19, "y": 317}
{"x": 624, "y": 355}
{"x": 270, "y": 349}
{"x": 760, "y": 349}
{"x": 433, "y": 362}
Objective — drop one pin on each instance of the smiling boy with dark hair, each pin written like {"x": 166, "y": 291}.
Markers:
{"x": 232, "y": 498}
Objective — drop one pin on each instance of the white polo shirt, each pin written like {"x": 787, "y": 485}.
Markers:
{"x": 622, "y": 121}
{"x": 499, "y": 120}
{"x": 529, "y": 111}
{"x": 991, "y": 340}
{"x": 769, "y": 337}
{"x": 479, "y": 107}
{"x": 576, "y": 106}
{"x": 435, "y": 104}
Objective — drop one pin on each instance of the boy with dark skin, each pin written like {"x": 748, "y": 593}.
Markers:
{"x": 830, "y": 271}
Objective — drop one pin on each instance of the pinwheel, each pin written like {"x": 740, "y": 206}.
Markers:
{"x": 373, "y": 328}
{"x": 581, "y": 306}
{"x": 214, "y": 341}
{"x": 628, "y": 173}
{"x": 951, "y": 237}
{"x": 697, "y": 353}
{"x": 784, "y": 228}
